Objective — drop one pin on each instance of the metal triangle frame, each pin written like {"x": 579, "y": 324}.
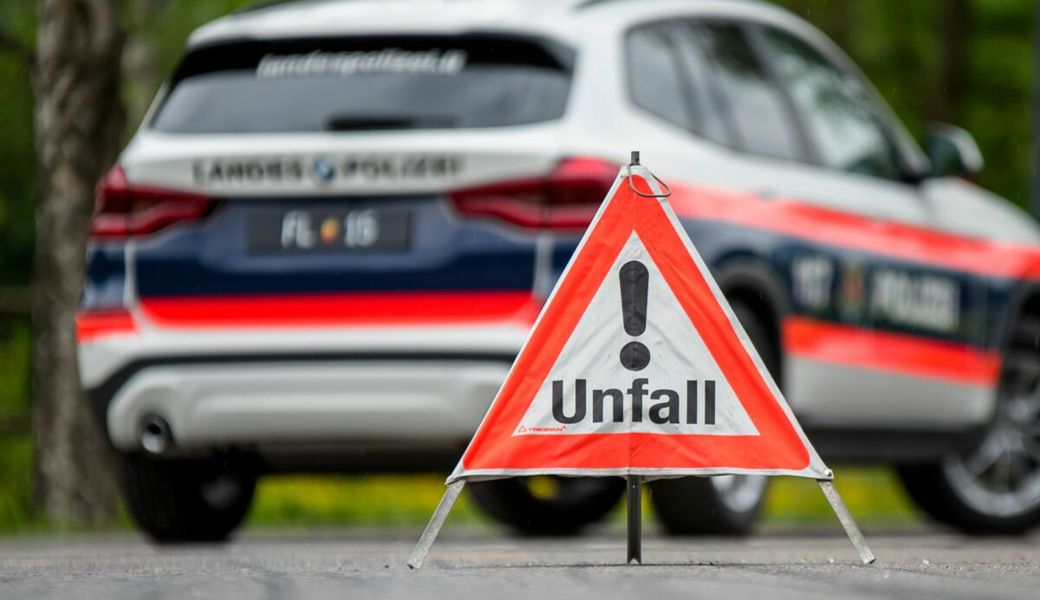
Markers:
{"x": 634, "y": 484}
{"x": 451, "y": 494}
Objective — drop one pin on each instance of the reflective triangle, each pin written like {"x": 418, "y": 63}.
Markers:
{"x": 546, "y": 418}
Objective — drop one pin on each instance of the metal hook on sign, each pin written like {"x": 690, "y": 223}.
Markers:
{"x": 667, "y": 188}
{"x": 635, "y": 161}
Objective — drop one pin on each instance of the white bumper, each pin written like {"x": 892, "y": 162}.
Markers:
{"x": 411, "y": 385}
{"x": 300, "y": 402}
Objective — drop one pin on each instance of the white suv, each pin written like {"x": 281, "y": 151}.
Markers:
{"x": 329, "y": 238}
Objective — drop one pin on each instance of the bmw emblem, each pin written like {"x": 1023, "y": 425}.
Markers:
{"x": 324, "y": 170}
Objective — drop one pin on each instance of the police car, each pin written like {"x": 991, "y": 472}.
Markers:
{"x": 333, "y": 231}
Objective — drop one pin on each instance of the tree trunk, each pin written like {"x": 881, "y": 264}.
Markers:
{"x": 79, "y": 121}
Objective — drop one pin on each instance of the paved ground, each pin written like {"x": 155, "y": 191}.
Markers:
{"x": 467, "y": 565}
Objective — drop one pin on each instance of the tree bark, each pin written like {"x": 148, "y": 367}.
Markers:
{"x": 79, "y": 120}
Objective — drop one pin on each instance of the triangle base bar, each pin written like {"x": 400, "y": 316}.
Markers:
{"x": 845, "y": 518}
{"x": 429, "y": 535}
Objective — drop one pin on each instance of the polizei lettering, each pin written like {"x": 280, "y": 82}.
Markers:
{"x": 916, "y": 300}
{"x": 658, "y": 406}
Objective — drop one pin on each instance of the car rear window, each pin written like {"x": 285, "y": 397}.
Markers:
{"x": 370, "y": 83}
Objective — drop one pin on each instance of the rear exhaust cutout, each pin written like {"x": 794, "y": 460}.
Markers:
{"x": 156, "y": 438}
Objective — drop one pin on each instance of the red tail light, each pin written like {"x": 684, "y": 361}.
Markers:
{"x": 123, "y": 210}
{"x": 565, "y": 199}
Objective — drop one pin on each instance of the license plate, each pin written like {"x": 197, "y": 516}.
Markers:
{"x": 306, "y": 230}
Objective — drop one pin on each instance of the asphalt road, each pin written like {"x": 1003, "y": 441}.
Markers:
{"x": 466, "y": 564}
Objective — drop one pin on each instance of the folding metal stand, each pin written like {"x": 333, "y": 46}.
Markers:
{"x": 634, "y": 501}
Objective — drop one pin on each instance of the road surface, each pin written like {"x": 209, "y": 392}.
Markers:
{"x": 466, "y": 564}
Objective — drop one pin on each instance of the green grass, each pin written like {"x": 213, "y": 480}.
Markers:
{"x": 398, "y": 501}
{"x": 380, "y": 501}
{"x": 16, "y": 509}
{"x": 872, "y": 494}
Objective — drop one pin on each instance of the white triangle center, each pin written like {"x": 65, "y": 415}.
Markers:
{"x": 681, "y": 391}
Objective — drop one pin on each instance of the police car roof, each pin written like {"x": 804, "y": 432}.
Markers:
{"x": 560, "y": 18}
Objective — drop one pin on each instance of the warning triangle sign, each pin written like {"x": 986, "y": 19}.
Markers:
{"x": 637, "y": 366}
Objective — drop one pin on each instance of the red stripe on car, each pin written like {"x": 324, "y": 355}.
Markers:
{"x": 855, "y": 232}
{"x": 404, "y": 308}
{"x": 890, "y": 352}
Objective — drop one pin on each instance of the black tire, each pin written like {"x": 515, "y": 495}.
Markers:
{"x": 571, "y": 504}
{"x": 991, "y": 490}
{"x": 179, "y": 501}
{"x": 697, "y": 505}
{"x": 727, "y": 505}
{"x": 931, "y": 491}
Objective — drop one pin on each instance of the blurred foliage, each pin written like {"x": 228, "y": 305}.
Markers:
{"x": 976, "y": 74}
{"x": 17, "y": 162}
{"x": 872, "y": 494}
{"x": 379, "y": 501}
{"x": 968, "y": 62}
{"x": 157, "y": 30}
{"x": 16, "y": 510}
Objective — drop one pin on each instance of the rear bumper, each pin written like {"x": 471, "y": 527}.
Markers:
{"x": 265, "y": 400}
{"x": 407, "y": 387}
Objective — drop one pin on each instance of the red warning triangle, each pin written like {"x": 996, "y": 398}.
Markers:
{"x": 637, "y": 365}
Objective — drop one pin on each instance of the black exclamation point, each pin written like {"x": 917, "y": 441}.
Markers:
{"x": 635, "y": 280}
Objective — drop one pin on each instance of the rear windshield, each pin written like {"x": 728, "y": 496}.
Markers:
{"x": 350, "y": 84}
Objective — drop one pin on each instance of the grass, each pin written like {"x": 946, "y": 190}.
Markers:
{"x": 872, "y": 494}
{"x": 406, "y": 501}
{"x": 381, "y": 501}
{"x": 16, "y": 510}
{"x": 398, "y": 501}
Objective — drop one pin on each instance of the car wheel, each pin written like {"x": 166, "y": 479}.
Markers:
{"x": 187, "y": 500}
{"x": 726, "y": 504}
{"x": 994, "y": 488}
{"x": 553, "y": 506}
{"x": 720, "y": 505}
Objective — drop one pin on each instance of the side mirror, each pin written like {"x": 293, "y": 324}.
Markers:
{"x": 952, "y": 151}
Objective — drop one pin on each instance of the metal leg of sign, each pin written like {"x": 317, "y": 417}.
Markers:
{"x": 635, "y": 519}
{"x": 429, "y": 535}
{"x": 845, "y": 518}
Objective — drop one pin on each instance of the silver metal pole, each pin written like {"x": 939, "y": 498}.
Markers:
{"x": 635, "y": 519}
{"x": 851, "y": 529}
{"x": 440, "y": 515}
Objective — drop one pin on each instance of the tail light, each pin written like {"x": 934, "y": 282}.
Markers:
{"x": 123, "y": 210}
{"x": 567, "y": 198}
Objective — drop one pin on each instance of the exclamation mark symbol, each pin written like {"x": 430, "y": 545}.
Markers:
{"x": 635, "y": 280}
